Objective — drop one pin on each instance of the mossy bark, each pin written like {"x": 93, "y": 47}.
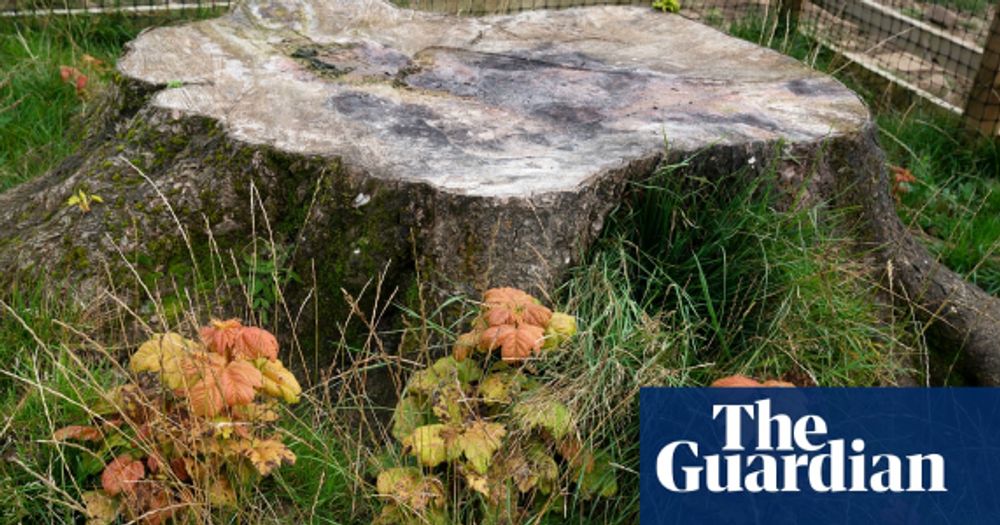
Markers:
{"x": 178, "y": 189}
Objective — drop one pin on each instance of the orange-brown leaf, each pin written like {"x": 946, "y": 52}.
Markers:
{"x": 255, "y": 342}
{"x": 901, "y": 174}
{"x": 268, "y": 454}
{"x": 736, "y": 381}
{"x": 516, "y": 342}
{"x": 121, "y": 475}
{"x": 205, "y": 398}
{"x": 68, "y": 73}
{"x": 78, "y": 433}
{"x": 464, "y": 345}
{"x": 149, "y": 504}
{"x": 201, "y": 364}
{"x": 221, "y": 336}
{"x": 238, "y": 382}
{"x": 93, "y": 62}
{"x": 512, "y": 306}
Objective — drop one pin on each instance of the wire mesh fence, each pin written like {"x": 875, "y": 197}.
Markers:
{"x": 945, "y": 51}
{"x": 23, "y": 8}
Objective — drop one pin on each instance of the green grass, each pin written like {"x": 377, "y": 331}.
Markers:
{"x": 690, "y": 284}
{"x": 954, "y": 206}
{"x": 955, "y": 202}
{"x": 37, "y": 108}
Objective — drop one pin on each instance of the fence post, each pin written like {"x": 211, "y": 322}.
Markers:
{"x": 982, "y": 110}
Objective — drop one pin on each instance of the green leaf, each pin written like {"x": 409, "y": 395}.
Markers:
{"x": 450, "y": 403}
{"x": 547, "y": 414}
{"x": 465, "y": 371}
{"x": 599, "y": 479}
{"x": 409, "y": 415}
{"x": 544, "y": 467}
{"x": 499, "y": 388}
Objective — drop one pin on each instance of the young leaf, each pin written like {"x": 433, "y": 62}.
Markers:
{"x": 221, "y": 336}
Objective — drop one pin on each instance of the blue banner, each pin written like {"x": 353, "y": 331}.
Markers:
{"x": 819, "y": 456}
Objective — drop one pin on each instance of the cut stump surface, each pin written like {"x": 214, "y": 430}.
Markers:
{"x": 479, "y": 151}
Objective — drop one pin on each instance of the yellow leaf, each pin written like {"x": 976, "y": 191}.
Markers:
{"x": 279, "y": 382}
{"x": 560, "y": 329}
{"x": 408, "y": 487}
{"x": 544, "y": 466}
{"x": 479, "y": 441}
{"x": 464, "y": 345}
{"x": 101, "y": 508}
{"x": 268, "y": 454}
{"x": 96, "y": 198}
{"x": 428, "y": 444}
{"x": 478, "y": 483}
{"x": 221, "y": 493}
{"x": 450, "y": 403}
{"x": 256, "y": 412}
{"x": 599, "y": 479}
{"x": 498, "y": 388}
{"x": 159, "y": 350}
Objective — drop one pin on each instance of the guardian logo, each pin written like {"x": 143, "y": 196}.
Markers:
{"x": 819, "y": 456}
{"x": 785, "y": 450}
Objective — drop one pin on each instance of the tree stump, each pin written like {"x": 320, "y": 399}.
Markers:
{"x": 475, "y": 151}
